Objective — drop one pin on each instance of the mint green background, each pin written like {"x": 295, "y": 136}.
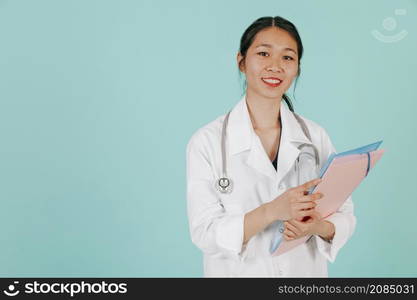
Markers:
{"x": 99, "y": 98}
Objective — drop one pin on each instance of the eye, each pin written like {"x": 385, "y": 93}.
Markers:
{"x": 262, "y": 52}
{"x": 286, "y": 57}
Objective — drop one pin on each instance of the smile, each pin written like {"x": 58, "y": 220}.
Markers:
{"x": 272, "y": 81}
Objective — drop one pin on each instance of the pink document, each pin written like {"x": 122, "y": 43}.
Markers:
{"x": 342, "y": 177}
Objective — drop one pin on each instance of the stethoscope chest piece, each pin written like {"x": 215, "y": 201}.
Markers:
{"x": 224, "y": 185}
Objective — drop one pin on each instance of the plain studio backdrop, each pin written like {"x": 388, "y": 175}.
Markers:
{"x": 98, "y": 100}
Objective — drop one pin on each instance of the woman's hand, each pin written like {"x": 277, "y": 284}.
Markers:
{"x": 294, "y": 203}
{"x": 295, "y": 229}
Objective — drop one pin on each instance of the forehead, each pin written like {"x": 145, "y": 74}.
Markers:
{"x": 276, "y": 37}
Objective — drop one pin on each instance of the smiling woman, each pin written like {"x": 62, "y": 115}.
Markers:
{"x": 234, "y": 224}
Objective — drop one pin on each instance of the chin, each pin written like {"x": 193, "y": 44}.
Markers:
{"x": 266, "y": 93}
{"x": 272, "y": 94}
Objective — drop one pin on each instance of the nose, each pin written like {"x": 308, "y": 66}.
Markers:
{"x": 274, "y": 67}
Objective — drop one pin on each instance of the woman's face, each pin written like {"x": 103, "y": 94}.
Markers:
{"x": 271, "y": 63}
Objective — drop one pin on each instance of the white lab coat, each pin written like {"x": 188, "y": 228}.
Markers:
{"x": 216, "y": 219}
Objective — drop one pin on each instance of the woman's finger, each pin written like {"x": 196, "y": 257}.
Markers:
{"x": 290, "y": 233}
{"x": 310, "y": 197}
{"x": 313, "y": 197}
{"x": 309, "y": 184}
{"x": 288, "y": 238}
{"x": 305, "y": 205}
{"x": 293, "y": 228}
{"x": 305, "y": 213}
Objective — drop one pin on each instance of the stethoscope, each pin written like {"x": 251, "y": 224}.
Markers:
{"x": 225, "y": 185}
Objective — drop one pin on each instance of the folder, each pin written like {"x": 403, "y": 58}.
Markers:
{"x": 341, "y": 175}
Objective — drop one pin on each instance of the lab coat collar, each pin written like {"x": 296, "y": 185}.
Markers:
{"x": 242, "y": 136}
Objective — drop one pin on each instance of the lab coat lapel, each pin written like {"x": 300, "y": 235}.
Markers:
{"x": 242, "y": 137}
{"x": 259, "y": 160}
{"x": 292, "y": 135}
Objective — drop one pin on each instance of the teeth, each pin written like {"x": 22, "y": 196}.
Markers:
{"x": 271, "y": 80}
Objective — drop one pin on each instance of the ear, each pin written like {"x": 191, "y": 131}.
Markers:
{"x": 239, "y": 58}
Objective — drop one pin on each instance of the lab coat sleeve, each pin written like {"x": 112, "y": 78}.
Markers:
{"x": 343, "y": 219}
{"x": 213, "y": 230}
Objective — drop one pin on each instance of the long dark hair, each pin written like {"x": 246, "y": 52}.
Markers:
{"x": 249, "y": 36}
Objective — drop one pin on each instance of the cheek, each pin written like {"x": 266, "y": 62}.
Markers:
{"x": 291, "y": 75}
{"x": 292, "y": 70}
{"x": 253, "y": 67}
{"x": 288, "y": 83}
{"x": 253, "y": 71}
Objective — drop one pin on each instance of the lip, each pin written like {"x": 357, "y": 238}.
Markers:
{"x": 272, "y": 84}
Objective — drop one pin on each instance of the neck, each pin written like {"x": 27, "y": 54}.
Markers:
{"x": 264, "y": 112}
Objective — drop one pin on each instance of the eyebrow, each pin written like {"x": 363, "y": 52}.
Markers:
{"x": 269, "y": 46}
